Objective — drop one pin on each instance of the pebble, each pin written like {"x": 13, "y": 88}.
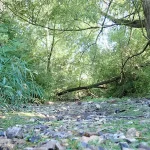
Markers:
{"x": 132, "y": 133}
{"x": 34, "y": 139}
{"x": 2, "y": 134}
{"x": 14, "y": 132}
{"x": 71, "y": 124}
{"x": 123, "y": 145}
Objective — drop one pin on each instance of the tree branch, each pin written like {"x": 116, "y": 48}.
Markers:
{"x": 121, "y": 21}
{"x": 134, "y": 55}
{"x": 46, "y": 27}
{"x": 134, "y": 24}
{"x": 101, "y": 30}
{"x": 96, "y": 85}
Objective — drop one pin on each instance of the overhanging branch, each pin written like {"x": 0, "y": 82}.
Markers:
{"x": 134, "y": 23}
{"x": 46, "y": 27}
{"x": 122, "y": 21}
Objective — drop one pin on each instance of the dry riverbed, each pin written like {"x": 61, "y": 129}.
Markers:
{"x": 112, "y": 124}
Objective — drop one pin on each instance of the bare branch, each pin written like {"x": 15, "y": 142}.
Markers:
{"x": 137, "y": 54}
{"x": 101, "y": 30}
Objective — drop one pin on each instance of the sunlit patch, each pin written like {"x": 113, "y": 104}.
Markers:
{"x": 2, "y": 117}
{"x": 27, "y": 114}
{"x": 49, "y": 103}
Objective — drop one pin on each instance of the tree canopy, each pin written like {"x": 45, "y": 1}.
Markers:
{"x": 74, "y": 48}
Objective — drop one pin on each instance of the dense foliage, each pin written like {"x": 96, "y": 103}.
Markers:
{"x": 50, "y": 46}
{"x": 17, "y": 80}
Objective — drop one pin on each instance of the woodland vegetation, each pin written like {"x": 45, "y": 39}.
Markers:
{"x": 67, "y": 49}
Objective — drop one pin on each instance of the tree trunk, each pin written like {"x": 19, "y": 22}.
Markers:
{"x": 1, "y": 7}
{"x": 51, "y": 49}
{"x": 96, "y": 85}
{"x": 146, "y": 10}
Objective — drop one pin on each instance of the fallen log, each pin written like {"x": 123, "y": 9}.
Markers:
{"x": 109, "y": 80}
{"x": 96, "y": 85}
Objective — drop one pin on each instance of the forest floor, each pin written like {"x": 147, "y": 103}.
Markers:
{"x": 110, "y": 124}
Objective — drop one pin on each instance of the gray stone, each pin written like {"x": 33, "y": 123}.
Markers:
{"x": 119, "y": 136}
{"x": 100, "y": 148}
{"x": 41, "y": 127}
{"x": 58, "y": 146}
{"x": 84, "y": 145}
{"x": 130, "y": 140}
{"x": 59, "y": 118}
{"x": 2, "y": 134}
{"x": 131, "y": 133}
{"x": 97, "y": 106}
{"x": 144, "y": 146}
{"x": 34, "y": 139}
{"x": 6, "y": 144}
{"x": 14, "y": 132}
{"x": 108, "y": 136}
{"x": 32, "y": 120}
{"x": 18, "y": 141}
{"x": 29, "y": 148}
{"x": 123, "y": 145}
{"x": 49, "y": 145}
{"x": 61, "y": 135}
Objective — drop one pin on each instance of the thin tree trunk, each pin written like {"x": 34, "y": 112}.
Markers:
{"x": 51, "y": 50}
{"x": 146, "y": 10}
{"x": 2, "y": 7}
